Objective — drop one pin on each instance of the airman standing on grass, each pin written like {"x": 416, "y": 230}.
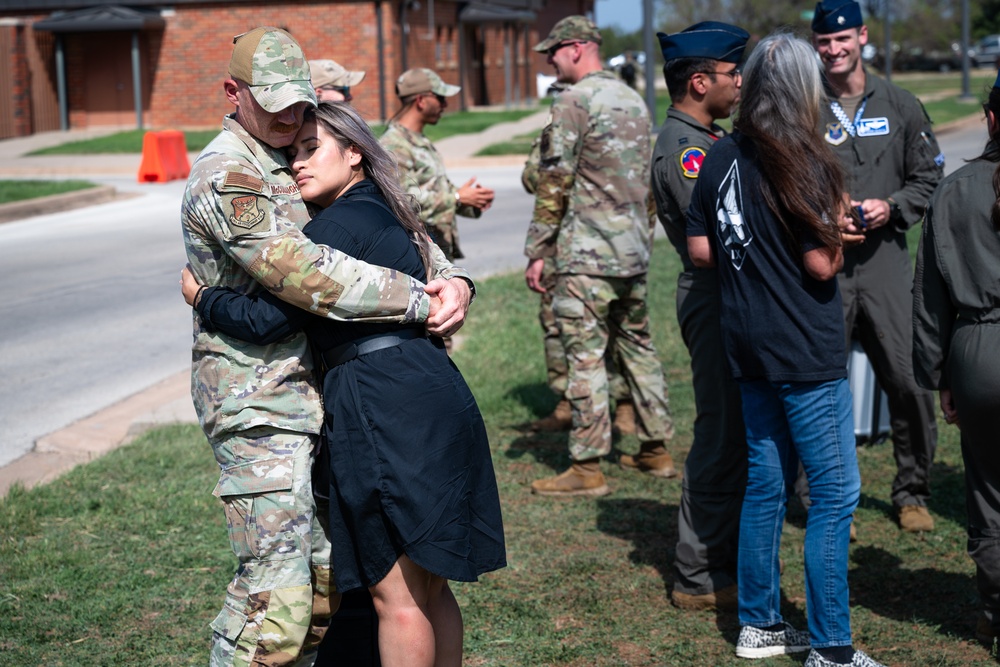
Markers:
{"x": 556, "y": 366}
{"x": 884, "y": 140}
{"x": 424, "y": 97}
{"x": 592, "y": 215}
{"x": 241, "y": 218}
{"x": 701, "y": 68}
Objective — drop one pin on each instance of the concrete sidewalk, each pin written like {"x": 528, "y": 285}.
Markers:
{"x": 168, "y": 401}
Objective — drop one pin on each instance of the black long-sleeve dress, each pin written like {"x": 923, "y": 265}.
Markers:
{"x": 410, "y": 463}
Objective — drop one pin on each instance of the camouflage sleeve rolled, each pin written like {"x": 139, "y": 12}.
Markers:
{"x": 529, "y": 176}
{"x": 442, "y": 268}
{"x": 232, "y": 210}
{"x": 559, "y": 153}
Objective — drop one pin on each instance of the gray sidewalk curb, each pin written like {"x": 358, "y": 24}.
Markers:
{"x": 166, "y": 402}
{"x": 67, "y": 201}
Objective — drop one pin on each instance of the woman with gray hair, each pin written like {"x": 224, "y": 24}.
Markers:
{"x": 413, "y": 497}
{"x": 768, "y": 211}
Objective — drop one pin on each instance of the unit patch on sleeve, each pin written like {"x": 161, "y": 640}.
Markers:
{"x": 691, "y": 160}
{"x": 243, "y": 203}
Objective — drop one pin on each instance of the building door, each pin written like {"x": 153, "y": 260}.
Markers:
{"x": 109, "y": 98}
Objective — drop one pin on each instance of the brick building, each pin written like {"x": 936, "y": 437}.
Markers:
{"x": 78, "y": 64}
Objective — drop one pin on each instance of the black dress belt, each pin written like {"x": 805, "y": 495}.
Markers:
{"x": 341, "y": 354}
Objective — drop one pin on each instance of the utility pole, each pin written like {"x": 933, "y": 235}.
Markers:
{"x": 648, "y": 45}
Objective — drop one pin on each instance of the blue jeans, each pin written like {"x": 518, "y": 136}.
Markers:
{"x": 788, "y": 422}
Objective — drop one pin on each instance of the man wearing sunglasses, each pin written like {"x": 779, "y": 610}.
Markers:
{"x": 424, "y": 97}
{"x": 592, "y": 214}
{"x": 701, "y": 69}
{"x": 332, "y": 81}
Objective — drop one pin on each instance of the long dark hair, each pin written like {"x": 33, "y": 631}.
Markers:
{"x": 349, "y": 129}
{"x": 779, "y": 112}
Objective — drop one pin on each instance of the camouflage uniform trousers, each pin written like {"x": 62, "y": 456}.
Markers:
{"x": 590, "y": 309}
{"x": 278, "y": 605}
{"x": 556, "y": 366}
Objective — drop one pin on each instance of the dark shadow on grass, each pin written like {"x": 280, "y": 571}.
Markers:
{"x": 546, "y": 448}
{"x": 936, "y": 599}
{"x": 651, "y": 526}
{"x": 536, "y": 396}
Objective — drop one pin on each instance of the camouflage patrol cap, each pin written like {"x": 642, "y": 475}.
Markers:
{"x": 332, "y": 73}
{"x": 570, "y": 28}
{"x": 271, "y": 62}
{"x": 423, "y": 80}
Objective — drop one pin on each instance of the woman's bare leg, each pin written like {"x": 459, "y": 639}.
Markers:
{"x": 420, "y": 624}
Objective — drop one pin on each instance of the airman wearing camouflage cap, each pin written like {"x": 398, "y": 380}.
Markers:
{"x": 241, "y": 218}
{"x": 424, "y": 96}
{"x": 592, "y": 215}
{"x": 333, "y": 81}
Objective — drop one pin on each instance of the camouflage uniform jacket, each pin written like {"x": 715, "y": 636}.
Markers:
{"x": 422, "y": 174}
{"x": 241, "y": 218}
{"x": 593, "y": 204}
{"x": 677, "y": 156}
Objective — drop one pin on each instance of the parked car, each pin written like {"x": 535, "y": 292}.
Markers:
{"x": 986, "y": 51}
{"x": 929, "y": 61}
{"x": 616, "y": 62}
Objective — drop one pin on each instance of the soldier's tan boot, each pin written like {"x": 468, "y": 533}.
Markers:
{"x": 915, "y": 519}
{"x": 724, "y": 599}
{"x": 624, "y": 421}
{"x": 561, "y": 419}
{"x": 584, "y": 478}
{"x": 653, "y": 458}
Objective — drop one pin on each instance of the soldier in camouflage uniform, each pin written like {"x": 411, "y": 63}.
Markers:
{"x": 702, "y": 74}
{"x": 421, "y": 170}
{"x": 259, "y": 407}
{"x": 592, "y": 214}
{"x": 557, "y": 369}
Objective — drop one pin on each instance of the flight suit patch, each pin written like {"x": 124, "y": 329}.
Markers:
{"x": 691, "y": 160}
{"x": 245, "y": 207}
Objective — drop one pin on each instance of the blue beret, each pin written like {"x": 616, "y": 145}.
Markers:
{"x": 708, "y": 39}
{"x": 836, "y": 15}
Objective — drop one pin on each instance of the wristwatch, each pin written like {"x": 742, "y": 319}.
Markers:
{"x": 895, "y": 213}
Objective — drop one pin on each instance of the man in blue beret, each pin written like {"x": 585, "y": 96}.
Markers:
{"x": 703, "y": 77}
{"x": 883, "y": 137}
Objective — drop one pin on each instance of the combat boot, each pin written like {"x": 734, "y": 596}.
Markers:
{"x": 624, "y": 418}
{"x": 561, "y": 419}
{"x": 653, "y": 458}
{"x": 915, "y": 519}
{"x": 584, "y": 478}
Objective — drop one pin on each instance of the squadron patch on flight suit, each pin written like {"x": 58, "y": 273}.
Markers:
{"x": 691, "y": 160}
{"x": 243, "y": 203}
{"x": 835, "y": 134}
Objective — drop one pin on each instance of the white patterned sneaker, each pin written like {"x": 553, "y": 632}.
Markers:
{"x": 861, "y": 659}
{"x": 758, "y": 643}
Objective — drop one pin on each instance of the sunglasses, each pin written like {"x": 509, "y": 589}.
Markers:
{"x": 551, "y": 51}
{"x": 733, "y": 73}
{"x": 343, "y": 90}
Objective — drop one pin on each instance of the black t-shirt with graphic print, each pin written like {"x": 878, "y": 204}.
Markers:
{"x": 778, "y": 322}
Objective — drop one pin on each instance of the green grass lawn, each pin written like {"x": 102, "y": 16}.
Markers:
{"x": 124, "y": 561}
{"x": 15, "y": 190}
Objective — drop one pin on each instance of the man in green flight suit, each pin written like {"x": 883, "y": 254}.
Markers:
{"x": 701, "y": 68}
{"x": 883, "y": 138}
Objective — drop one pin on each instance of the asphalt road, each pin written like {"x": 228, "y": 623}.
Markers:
{"x": 92, "y": 313}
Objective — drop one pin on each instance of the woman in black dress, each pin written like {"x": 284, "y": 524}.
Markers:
{"x": 413, "y": 496}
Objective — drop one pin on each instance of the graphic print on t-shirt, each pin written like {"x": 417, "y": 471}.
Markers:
{"x": 733, "y": 230}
